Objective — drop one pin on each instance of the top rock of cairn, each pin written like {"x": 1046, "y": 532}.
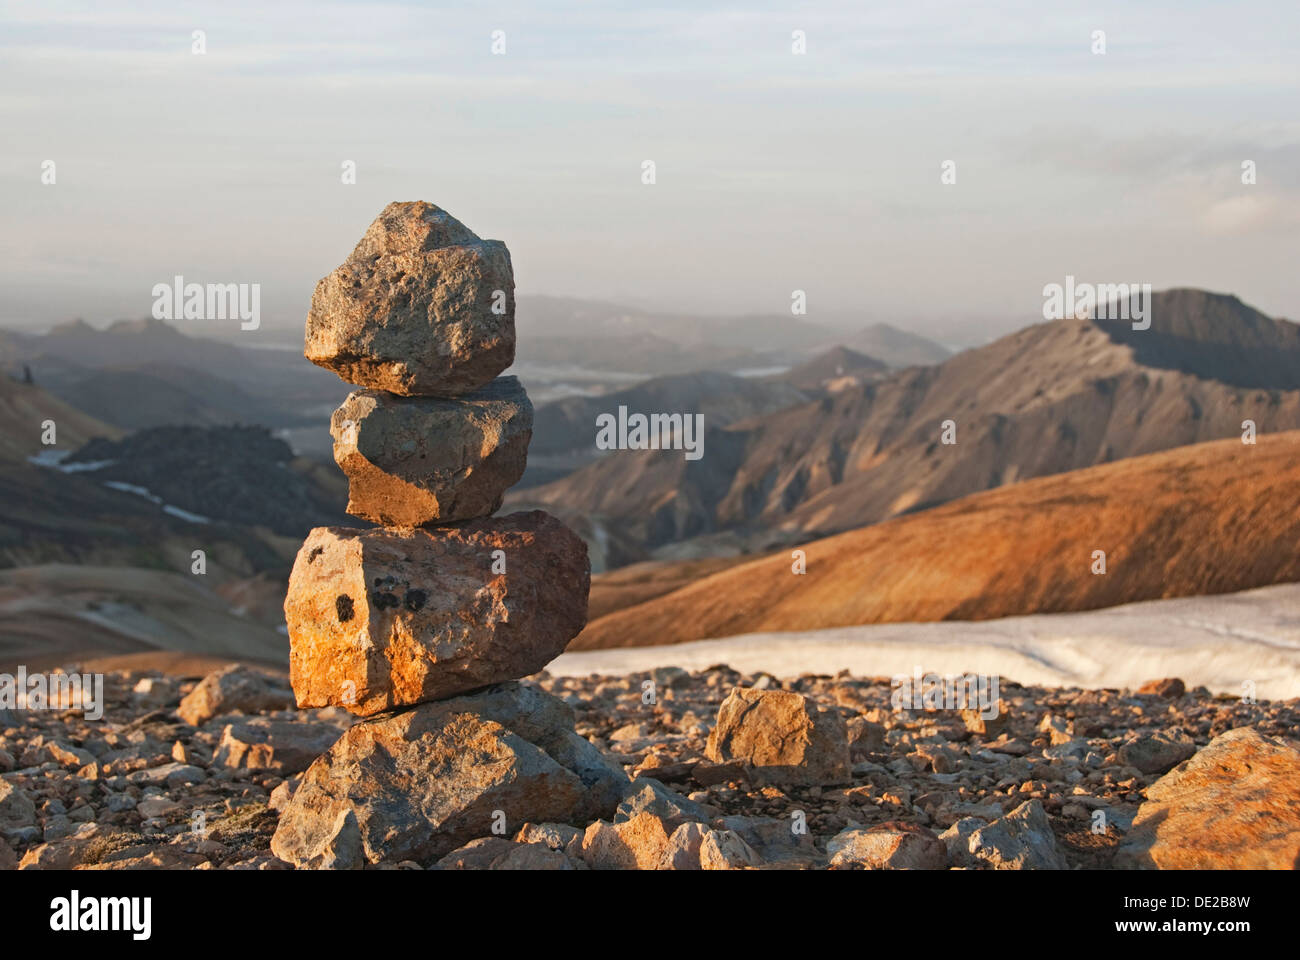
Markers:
{"x": 422, "y": 307}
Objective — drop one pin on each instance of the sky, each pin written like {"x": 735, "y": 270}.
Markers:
{"x": 774, "y": 171}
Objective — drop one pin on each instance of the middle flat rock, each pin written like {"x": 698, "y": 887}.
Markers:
{"x": 417, "y": 460}
{"x": 384, "y": 618}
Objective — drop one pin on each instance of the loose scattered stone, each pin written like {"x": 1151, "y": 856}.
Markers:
{"x": 1022, "y": 840}
{"x": 785, "y": 736}
{"x": 233, "y": 688}
{"x": 285, "y": 747}
{"x": 636, "y": 844}
{"x": 725, "y": 850}
{"x": 1157, "y": 752}
{"x": 888, "y": 846}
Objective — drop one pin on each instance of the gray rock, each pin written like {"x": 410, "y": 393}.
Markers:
{"x": 417, "y": 460}
{"x": 285, "y": 747}
{"x": 422, "y": 307}
{"x": 1022, "y": 840}
{"x": 957, "y": 841}
{"x": 169, "y": 774}
{"x": 232, "y": 688}
{"x": 648, "y": 795}
{"x": 427, "y": 780}
{"x": 887, "y": 846}
{"x": 1157, "y": 752}
{"x": 724, "y": 850}
{"x": 16, "y": 808}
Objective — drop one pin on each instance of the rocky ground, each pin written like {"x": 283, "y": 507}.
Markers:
{"x": 181, "y": 774}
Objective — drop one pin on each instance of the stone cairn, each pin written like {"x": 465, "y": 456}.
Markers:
{"x": 422, "y": 625}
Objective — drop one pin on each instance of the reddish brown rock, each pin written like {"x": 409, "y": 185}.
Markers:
{"x": 422, "y": 307}
{"x": 1171, "y": 688}
{"x": 385, "y": 618}
{"x": 784, "y": 736}
{"x": 1235, "y": 805}
{"x": 417, "y": 460}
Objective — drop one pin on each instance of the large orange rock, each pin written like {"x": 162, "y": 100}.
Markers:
{"x": 1234, "y": 805}
{"x": 384, "y": 618}
{"x": 784, "y": 736}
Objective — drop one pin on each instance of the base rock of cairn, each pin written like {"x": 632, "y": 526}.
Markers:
{"x": 422, "y": 782}
{"x": 423, "y": 625}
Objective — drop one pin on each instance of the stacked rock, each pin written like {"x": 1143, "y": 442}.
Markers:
{"x": 423, "y": 624}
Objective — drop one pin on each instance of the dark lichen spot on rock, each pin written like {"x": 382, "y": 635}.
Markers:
{"x": 415, "y": 600}
{"x": 343, "y": 607}
{"x": 311, "y": 557}
{"x": 384, "y": 601}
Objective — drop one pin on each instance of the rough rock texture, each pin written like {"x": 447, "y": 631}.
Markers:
{"x": 1157, "y": 752}
{"x": 1022, "y": 840}
{"x": 726, "y": 850}
{"x": 636, "y": 844}
{"x": 1235, "y": 805}
{"x": 417, "y": 460}
{"x": 16, "y": 808}
{"x": 427, "y": 780}
{"x": 411, "y": 311}
{"x": 285, "y": 747}
{"x": 785, "y": 736}
{"x": 234, "y": 688}
{"x": 384, "y": 618}
{"x": 888, "y": 846}
{"x": 92, "y": 817}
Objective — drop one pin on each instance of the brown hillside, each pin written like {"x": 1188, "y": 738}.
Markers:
{"x": 1209, "y": 518}
{"x": 24, "y": 407}
{"x": 1048, "y": 399}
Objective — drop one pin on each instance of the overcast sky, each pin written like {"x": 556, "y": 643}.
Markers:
{"x": 774, "y": 171}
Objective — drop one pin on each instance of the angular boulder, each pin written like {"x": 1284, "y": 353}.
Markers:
{"x": 417, "y": 460}
{"x": 1235, "y": 805}
{"x": 383, "y": 618}
{"x": 422, "y": 307}
{"x": 425, "y": 781}
{"x": 232, "y": 688}
{"x": 1157, "y": 752}
{"x": 285, "y": 747}
{"x": 1022, "y": 840}
{"x": 786, "y": 737}
{"x": 887, "y": 846}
